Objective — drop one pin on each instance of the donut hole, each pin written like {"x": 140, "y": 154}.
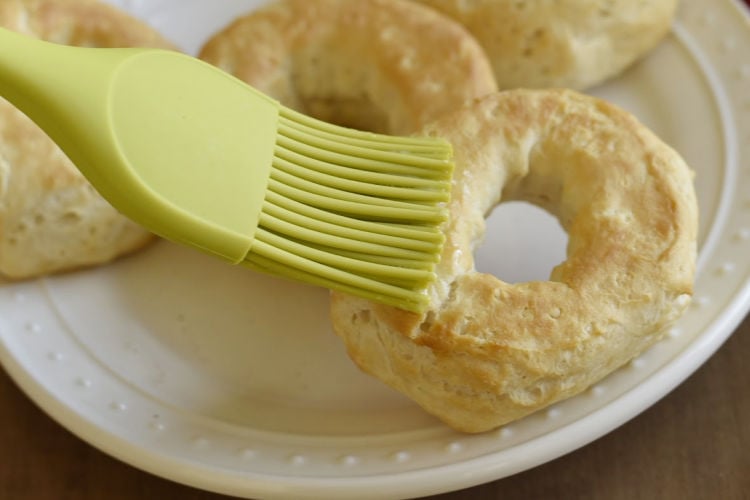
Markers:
{"x": 523, "y": 243}
{"x": 338, "y": 88}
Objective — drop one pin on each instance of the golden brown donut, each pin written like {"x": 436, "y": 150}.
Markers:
{"x": 381, "y": 65}
{"x": 561, "y": 43}
{"x": 488, "y": 352}
{"x": 51, "y": 219}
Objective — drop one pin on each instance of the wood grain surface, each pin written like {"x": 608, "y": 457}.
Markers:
{"x": 693, "y": 444}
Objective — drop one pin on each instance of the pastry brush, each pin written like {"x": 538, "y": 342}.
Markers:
{"x": 201, "y": 158}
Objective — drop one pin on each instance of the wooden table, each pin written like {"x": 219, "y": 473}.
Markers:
{"x": 694, "y": 444}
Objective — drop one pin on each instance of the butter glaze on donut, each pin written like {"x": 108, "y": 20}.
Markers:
{"x": 488, "y": 352}
{"x": 381, "y": 65}
{"x": 561, "y": 43}
{"x": 51, "y": 219}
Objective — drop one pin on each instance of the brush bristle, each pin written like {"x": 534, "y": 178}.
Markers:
{"x": 354, "y": 211}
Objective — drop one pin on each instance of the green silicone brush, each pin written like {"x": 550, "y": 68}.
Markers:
{"x": 201, "y": 158}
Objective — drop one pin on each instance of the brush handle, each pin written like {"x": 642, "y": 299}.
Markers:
{"x": 62, "y": 89}
{"x": 173, "y": 143}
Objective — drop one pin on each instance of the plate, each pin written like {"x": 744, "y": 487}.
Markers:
{"x": 228, "y": 381}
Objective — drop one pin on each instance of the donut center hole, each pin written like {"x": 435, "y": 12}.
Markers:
{"x": 523, "y": 243}
{"x": 336, "y": 89}
{"x": 352, "y": 111}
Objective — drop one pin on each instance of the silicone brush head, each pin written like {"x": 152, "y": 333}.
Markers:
{"x": 201, "y": 158}
{"x": 354, "y": 211}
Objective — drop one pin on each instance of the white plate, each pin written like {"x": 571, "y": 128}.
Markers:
{"x": 231, "y": 382}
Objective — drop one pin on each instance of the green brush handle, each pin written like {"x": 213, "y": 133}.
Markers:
{"x": 186, "y": 153}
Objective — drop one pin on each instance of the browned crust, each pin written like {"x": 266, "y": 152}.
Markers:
{"x": 488, "y": 352}
{"x": 562, "y": 43}
{"x": 388, "y": 65}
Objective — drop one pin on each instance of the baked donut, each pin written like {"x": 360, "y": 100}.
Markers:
{"x": 488, "y": 352}
{"x": 562, "y": 43}
{"x": 51, "y": 219}
{"x": 381, "y": 65}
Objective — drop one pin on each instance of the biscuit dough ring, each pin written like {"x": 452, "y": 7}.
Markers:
{"x": 380, "y": 65}
{"x": 488, "y": 352}
{"x": 51, "y": 219}
{"x": 562, "y": 43}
